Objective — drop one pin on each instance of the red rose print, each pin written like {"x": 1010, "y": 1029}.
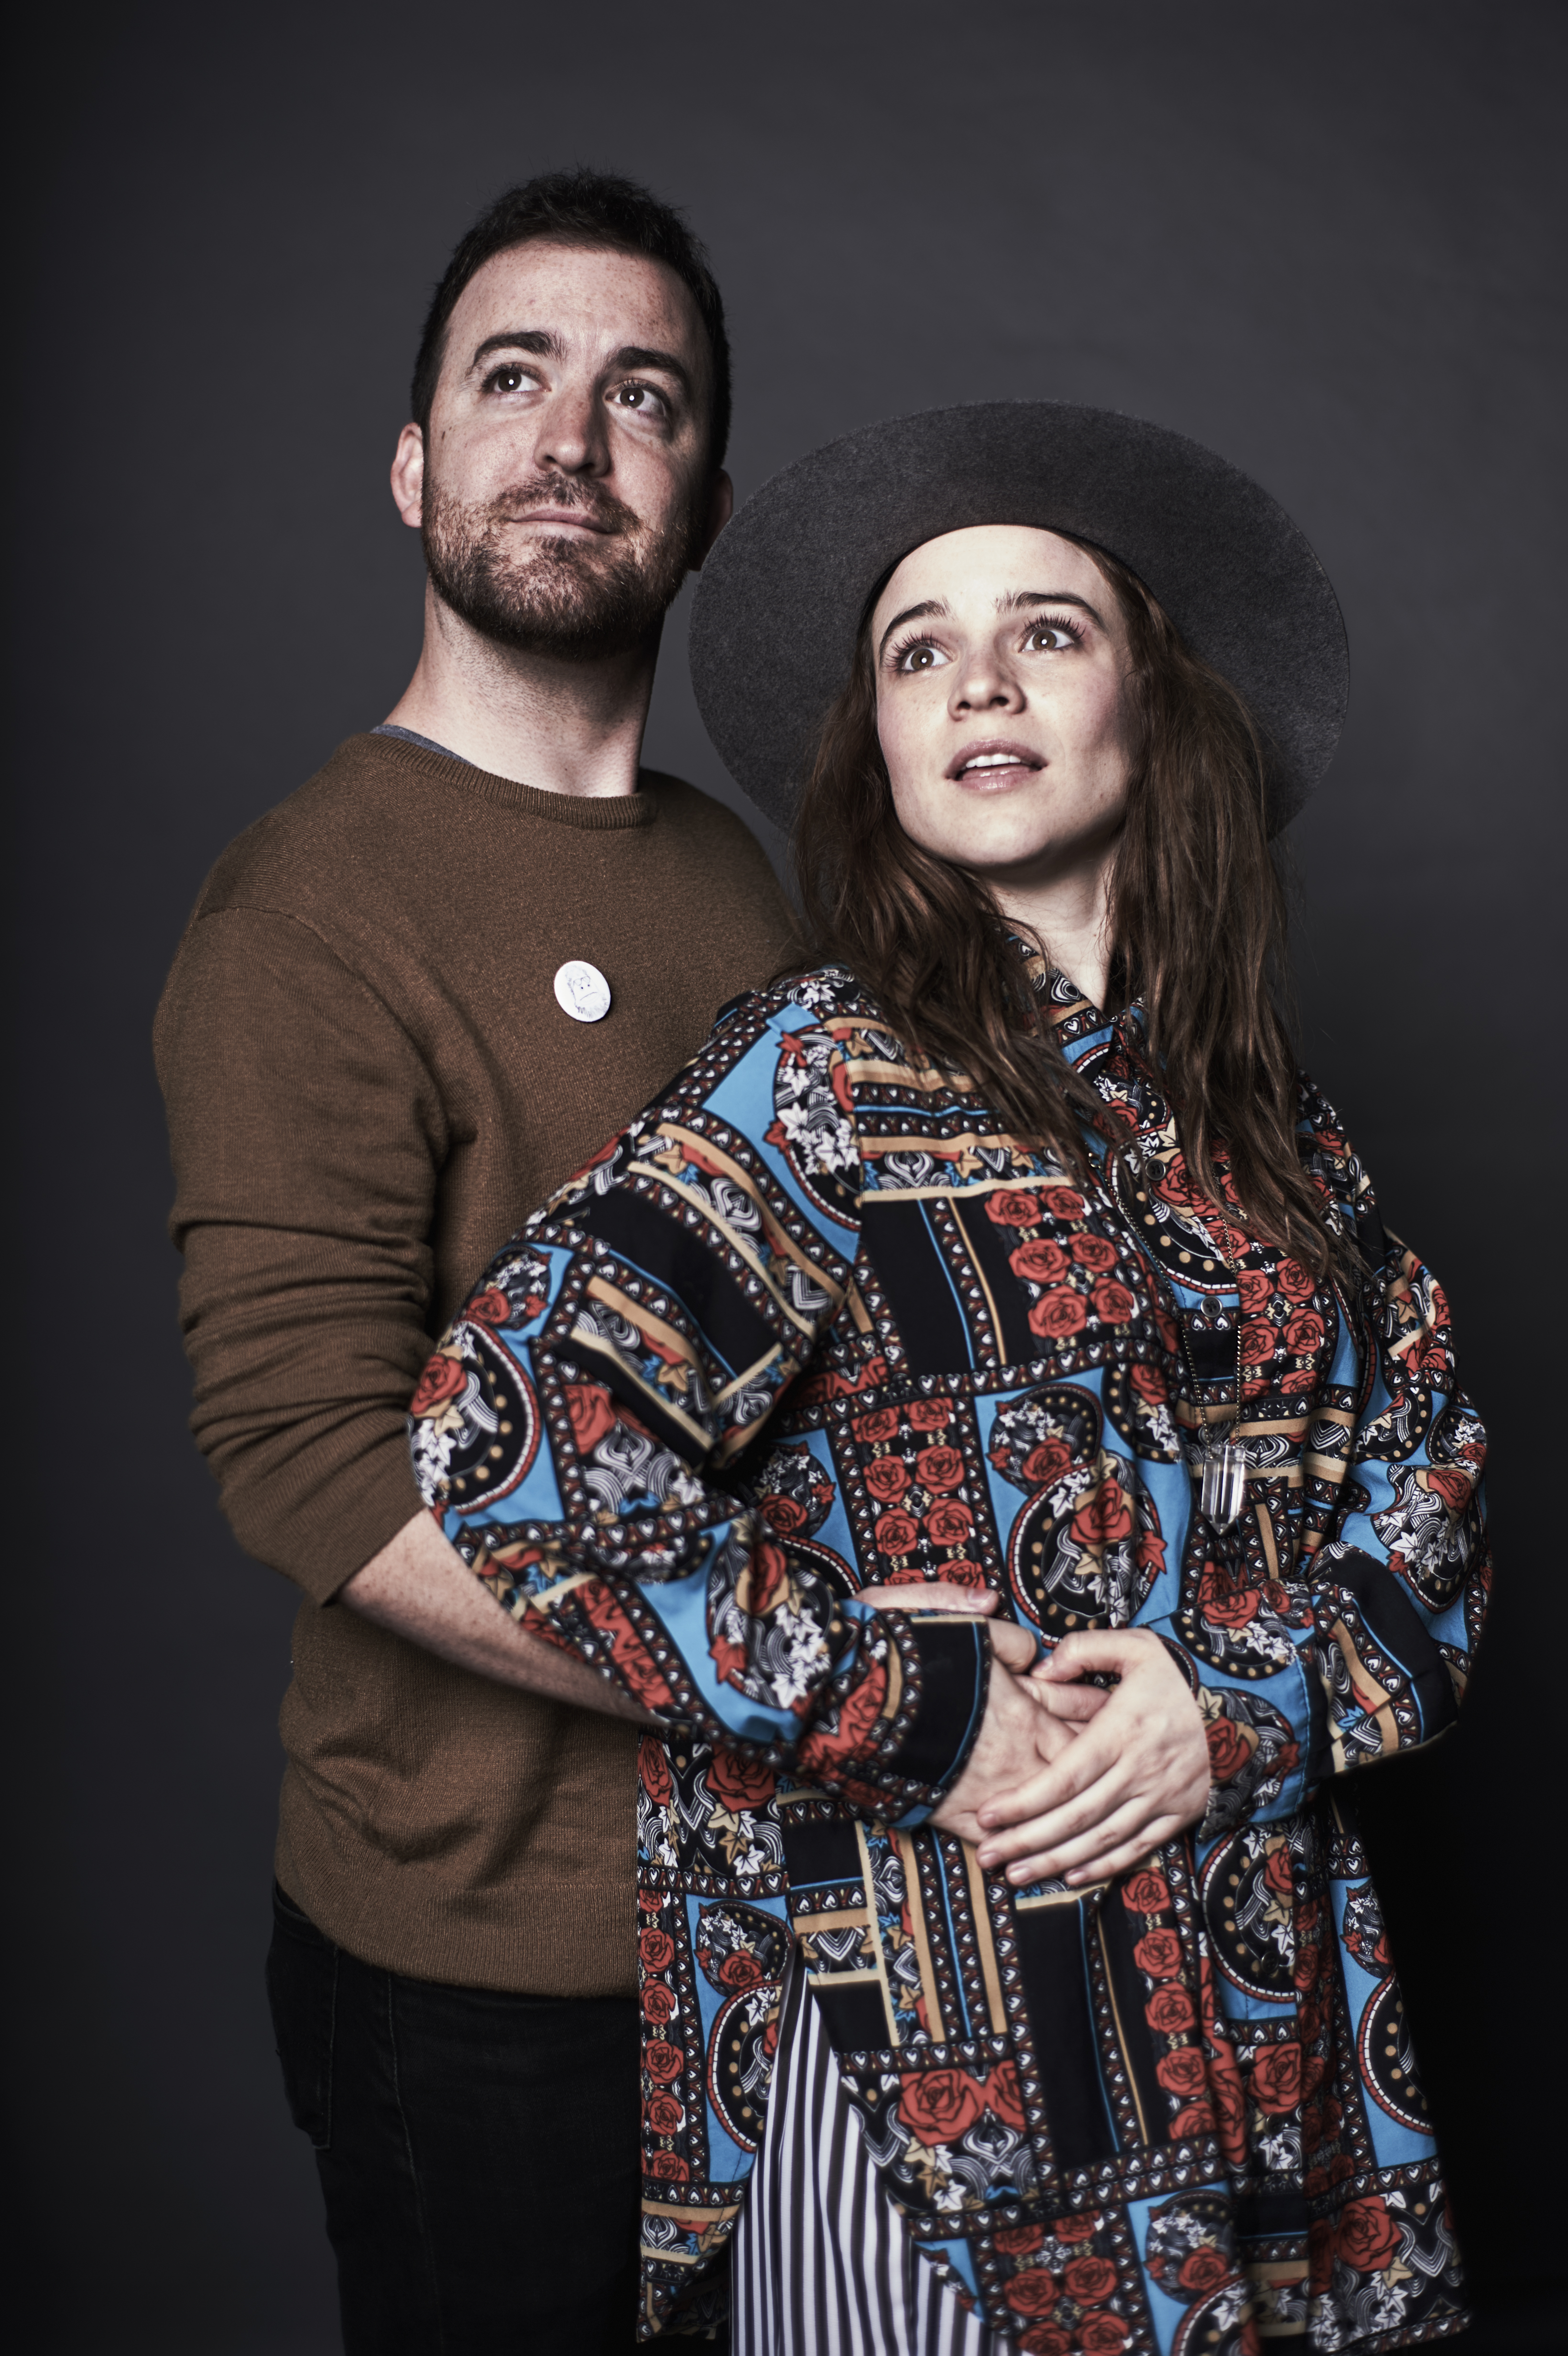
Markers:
{"x": 1202, "y": 2270}
{"x": 1145, "y": 1891}
{"x": 740, "y": 1783}
{"x": 658, "y": 2002}
{"x": 442, "y": 1380}
{"x": 1018, "y": 2241}
{"x": 1151, "y": 1385}
{"x": 949, "y": 1521}
{"x": 1089, "y": 2279}
{"x": 1196, "y": 2119}
{"x": 1046, "y": 2340}
{"x": 1104, "y": 1518}
{"x": 1230, "y": 2115}
{"x": 1276, "y": 1872}
{"x": 1094, "y": 1251}
{"x": 1171, "y": 2011}
{"x": 1452, "y": 1485}
{"x": 1039, "y": 1261}
{"x": 1182, "y": 2073}
{"x": 1010, "y": 1210}
{"x": 592, "y": 1413}
{"x": 1319, "y": 2248}
{"x": 1104, "y": 2334}
{"x": 1367, "y": 2237}
{"x": 1056, "y": 1315}
{"x": 939, "y": 2106}
{"x": 1256, "y": 1290}
{"x": 663, "y": 2061}
{"x": 897, "y": 1533}
{"x": 1229, "y": 1749}
{"x": 668, "y": 2167}
{"x": 930, "y": 1415}
{"x": 961, "y": 1572}
{"x": 1258, "y": 1339}
{"x": 1294, "y": 1280}
{"x": 784, "y": 1515}
{"x": 1045, "y": 1463}
{"x": 873, "y": 1428}
{"x": 1223, "y": 1605}
{"x": 1063, "y": 1204}
{"x": 939, "y": 1468}
{"x": 1032, "y": 2291}
{"x": 1076, "y": 2229}
{"x": 766, "y": 1578}
{"x": 739, "y": 1971}
{"x": 664, "y": 2114}
{"x": 1159, "y": 1952}
{"x": 1002, "y": 2094}
{"x": 856, "y": 1719}
{"x": 490, "y": 1307}
{"x": 1304, "y": 1333}
{"x": 657, "y": 1949}
{"x": 1114, "y": 1305}
{"x": 886, "y": 1478}
{"x": 1277, "y": 2078}
{"x": 652, "y": 1768}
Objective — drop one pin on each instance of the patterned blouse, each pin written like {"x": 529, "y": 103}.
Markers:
{"x": 816, "y": 1323}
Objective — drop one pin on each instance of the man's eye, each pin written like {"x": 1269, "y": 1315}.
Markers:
{"x": 510, "y": 378}
{"x": 641, "y": 399}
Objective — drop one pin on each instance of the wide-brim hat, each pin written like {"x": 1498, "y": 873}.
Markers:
{"x": 782, "y": 595}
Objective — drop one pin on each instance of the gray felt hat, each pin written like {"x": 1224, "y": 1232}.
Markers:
{"x": 781, "y": 596}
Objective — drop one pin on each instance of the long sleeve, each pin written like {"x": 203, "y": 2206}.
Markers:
{"x": 307, "y": 1138}
{"x": 1384, "y": 1576}
{"x": 621, "y": 1358}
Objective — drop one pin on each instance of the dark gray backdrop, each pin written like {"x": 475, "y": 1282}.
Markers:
{"x": 1320, "y": 240}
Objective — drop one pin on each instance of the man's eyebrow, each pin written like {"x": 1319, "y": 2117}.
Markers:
{"x": 522, "y": 339}
{"x": 641, "y": 356}
{"x": 1021, "y": 598}
{"x": 910, "y": 613}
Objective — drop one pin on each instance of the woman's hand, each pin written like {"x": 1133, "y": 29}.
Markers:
{"x": 1019, "y": 1735}
{"x": 1134, "y": 1776}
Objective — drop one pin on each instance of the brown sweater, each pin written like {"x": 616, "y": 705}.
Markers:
{"x": 369, "y": 1083}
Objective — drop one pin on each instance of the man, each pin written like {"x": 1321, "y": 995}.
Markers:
{"x": 411, "y": 1000}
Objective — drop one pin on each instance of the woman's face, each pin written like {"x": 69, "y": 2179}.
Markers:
{"x": 999, "y": 658}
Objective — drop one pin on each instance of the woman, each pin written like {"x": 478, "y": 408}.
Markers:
{"x": 1003, "y": 1255}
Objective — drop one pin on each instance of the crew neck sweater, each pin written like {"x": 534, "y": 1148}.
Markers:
{"x": 369, "y": 1083}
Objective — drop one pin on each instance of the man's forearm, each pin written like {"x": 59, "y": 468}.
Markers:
{"x": 419, "y": 1587}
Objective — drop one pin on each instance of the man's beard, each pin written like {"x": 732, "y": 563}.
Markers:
{"x": 577, "y": 598}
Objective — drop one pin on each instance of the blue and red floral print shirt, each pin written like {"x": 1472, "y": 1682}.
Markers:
{"x": 816, "y": 1323}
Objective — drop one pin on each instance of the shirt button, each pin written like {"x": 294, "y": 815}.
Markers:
{"x": 581, "y": 991}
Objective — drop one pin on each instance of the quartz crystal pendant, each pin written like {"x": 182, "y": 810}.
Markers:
{"x": 1223, "y": 1489}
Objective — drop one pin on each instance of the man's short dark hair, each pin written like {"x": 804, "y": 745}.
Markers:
{"x": 582, "y": 207}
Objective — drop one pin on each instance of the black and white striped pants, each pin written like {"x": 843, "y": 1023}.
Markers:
{"x": 825, "y": 2264}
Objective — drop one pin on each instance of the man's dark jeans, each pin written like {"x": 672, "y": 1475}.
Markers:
{"x": 478, "y": 2153}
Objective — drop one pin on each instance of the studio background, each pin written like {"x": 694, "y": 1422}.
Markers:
{"x": 1327, "y": 244}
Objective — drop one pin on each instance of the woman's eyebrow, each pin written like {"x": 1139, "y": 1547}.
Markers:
{"x": 910, "y": 613}
{"x": 1021, "y": 598}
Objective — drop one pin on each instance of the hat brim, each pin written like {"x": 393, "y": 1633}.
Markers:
{"x": 780, "y": 598}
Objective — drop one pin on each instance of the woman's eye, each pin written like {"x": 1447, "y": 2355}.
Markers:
{"x": 918, "y": 657}
{"x": 1050, "y": 637}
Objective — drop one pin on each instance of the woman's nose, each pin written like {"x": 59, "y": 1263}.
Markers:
{"x": 984, "y": 684}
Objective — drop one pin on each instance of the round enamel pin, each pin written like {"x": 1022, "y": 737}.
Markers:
{"x": 581, "y": 991}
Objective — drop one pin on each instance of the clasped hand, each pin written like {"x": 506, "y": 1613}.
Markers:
{"x": 1068, "y": 1781}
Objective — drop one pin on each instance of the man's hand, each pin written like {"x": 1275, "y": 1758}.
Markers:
{"x": 420, "y": 1587}
{"x": 1134, "y": 1777}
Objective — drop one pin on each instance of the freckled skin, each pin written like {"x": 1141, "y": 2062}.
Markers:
{"x": 1044, "y": 677}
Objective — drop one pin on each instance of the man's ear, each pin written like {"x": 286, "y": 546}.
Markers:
{"x": 721, "y": 507}
{"x": 407, "y": 477}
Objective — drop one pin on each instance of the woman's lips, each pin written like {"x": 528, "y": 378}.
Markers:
{"x": 996, "y": 762}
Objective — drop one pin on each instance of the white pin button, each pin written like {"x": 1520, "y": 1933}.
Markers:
{"x": 581, "y": 991}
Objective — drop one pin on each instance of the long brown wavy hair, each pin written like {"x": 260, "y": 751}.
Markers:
{"x": 1198, "y": 927}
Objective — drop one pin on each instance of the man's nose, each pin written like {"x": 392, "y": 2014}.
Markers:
{"x": 572, "y": 432}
